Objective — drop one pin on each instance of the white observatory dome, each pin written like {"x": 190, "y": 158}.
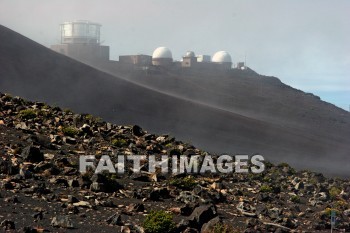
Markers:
{"x": 222, "y": 57}
{"x": 190, "y": 54}
{"x": 162, "y": 52}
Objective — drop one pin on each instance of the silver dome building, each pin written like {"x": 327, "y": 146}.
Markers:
{"x": 162, "y": 56}
{"x": 223, "y": 59}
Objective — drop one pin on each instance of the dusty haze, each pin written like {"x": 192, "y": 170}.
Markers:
{"x": 305, "y": 44}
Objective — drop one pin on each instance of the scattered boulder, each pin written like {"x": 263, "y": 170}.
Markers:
{"x": 202, "y": 215}
{"x": 274, "y": 213}
{"x": 32, "y": 154}
{"x": 62, "y": 221}
{"x": 115, "y": 219}
{"x": 8, "y": 225}
{"x": 210, "y": 226}
{"x": 188, "y": 197}
{"x": 135, "y": 208}
{"x": 137, "y": 131}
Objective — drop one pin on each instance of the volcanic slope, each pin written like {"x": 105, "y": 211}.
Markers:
{"x": 32, "y": 71}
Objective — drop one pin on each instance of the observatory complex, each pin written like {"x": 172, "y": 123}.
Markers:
{"x": 80, "y": 40}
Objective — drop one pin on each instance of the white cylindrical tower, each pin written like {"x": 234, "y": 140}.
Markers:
{"x": 80, "y": 32}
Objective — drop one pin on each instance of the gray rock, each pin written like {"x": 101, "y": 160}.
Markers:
{"x": 32, "y": 154}
{"x": 135, "y": 208}
{"x": 287, "y": 222}
{"x": 322, "y": 196}
{"x": 21, "y": 125}
{"x": 347, "y": 212}
{"x": 72, "y": 199}
{"x": 274, "y": 213}
{"x": 97, "y": 187}
{"x": 202, "y": 215}
{"x": 69, "y": 140}
{"x": 191, "y": 230}
{"x": 115, "y": 219}
{"x": 137, "y": 131}
{"x": 309, "y": 187}
{"x": 73, "y": 183}
{"x": 209, "y": 226}
{"x": 62, "y": 221}
{"x": 299, "y": 185}
{"x": 86, "y": 129}
{"x": 187, "y": 197}
{"x": 12, "y": 199}
{"x": 98, "y": 178}
{"x": 8, "y": 225}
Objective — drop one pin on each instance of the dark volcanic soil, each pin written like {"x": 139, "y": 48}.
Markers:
{"x": 40, "y": 182}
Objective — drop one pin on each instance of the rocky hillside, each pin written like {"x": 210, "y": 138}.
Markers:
{"x": 236, "y": 114}
{"x": 43, "y": 191}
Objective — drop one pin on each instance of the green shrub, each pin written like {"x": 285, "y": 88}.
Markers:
{"x": 289, "y": 169}
{"x": 334, "y": 192}
{"x": 70, "y": 131}
{"x": 295, "y": 199}
{"x": 119, "y": 142}
{"x": 265, "y": 189}
{"x": 328, "y": 211}
{"x": 186, "y": 183}
{"x": 223, "y": 228}
{"x": 342, "y": 204}
{"x": 67, "y": 111}
{"x": 168, "y": 145}
{"x": 93, "y": 119}
{"x": 159, "y": 222}
{"x": 27, "y": 114}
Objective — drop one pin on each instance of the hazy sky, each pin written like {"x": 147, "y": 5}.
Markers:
{"x": 304, "y": 43}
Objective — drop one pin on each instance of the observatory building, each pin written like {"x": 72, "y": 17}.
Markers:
{"x": 189, "y": 60}
{"x": 223, "y": 59}
{"x": 162, "y": 56}
{"x": 80, "y": 40}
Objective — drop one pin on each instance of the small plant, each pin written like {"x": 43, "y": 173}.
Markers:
{"x": 93, "y": 119}
{"x": 168, "y": 145}
{"x": 67, "y": 111}
{"x": 265, "y": 189}
{"x": 44, "y": 113}
{"x": 289, "y": 169}
{"x": 283, "y": 165}
{"x": 45, "y": 106}
{"x": 295, "y": 199}
{"x": 98, "y": 119}
{"x": 328, "y": 211}
{"x": 70, "y": 131}
{"x": 119, "y": 142}
{"x": 342, "y": 204}
{"x": 27, "y": 114}
{"x": 186, "y": 183}
{"x": 334, "y": 192}
{"x": 159, "y": 222}
{"x": 223, "y": 228}
{"x": 266, "y": 179}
